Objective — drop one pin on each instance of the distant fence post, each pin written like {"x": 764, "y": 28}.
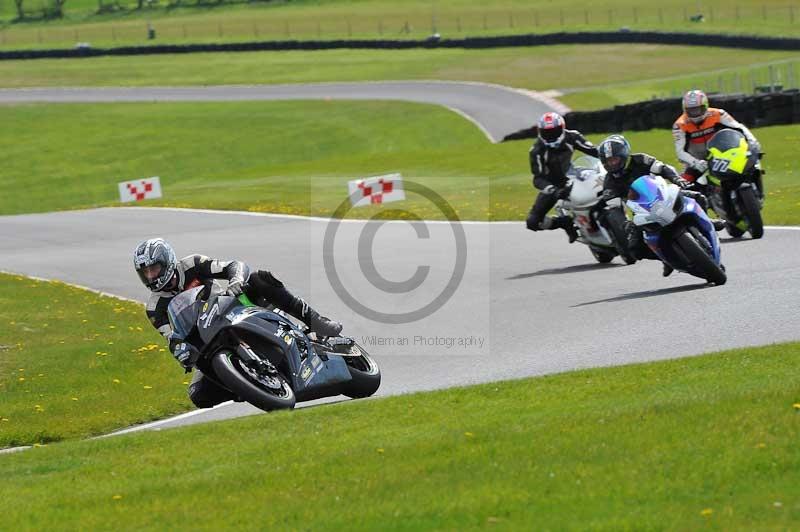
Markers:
{"x": 561, "y": 16}
{"x": 536, "y": 18}
{"x": 349, "y": 29}
{"x": 764, "y": 11}
{"x": 511, "y": 20}
{"x": 660, "y": 16}
{"x": 458, "y": 24}
{"x": 219, "y": 29}
{"x": 586, "y": 16}
{"x": 635, "y": 15}
{"x": 711, "y": 13}
{"x": 485, "y": 27}
{"x": 737, "y": 12}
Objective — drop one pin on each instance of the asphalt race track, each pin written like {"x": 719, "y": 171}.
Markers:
{"x": 495, "y": 109}
{"x": 539, "y": 304}
{"x": 525, "y": 304}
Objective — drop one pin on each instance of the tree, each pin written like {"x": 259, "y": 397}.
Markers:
{"x": 58, "y": 8}
{"x": 20, "y": 11}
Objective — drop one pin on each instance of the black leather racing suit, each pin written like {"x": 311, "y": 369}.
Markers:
{"x": 618, "y": 184}
{"x": 197, "y": 270}
{"x": 549, "y": 168}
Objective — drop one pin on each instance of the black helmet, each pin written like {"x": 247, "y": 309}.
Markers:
{"x": 614, "y": 154}
{"x": 155, "y": 263}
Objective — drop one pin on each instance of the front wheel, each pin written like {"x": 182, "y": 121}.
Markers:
{"x": 700, "y": 260}
{"x": 751, "y": 208}
{"x": 364, "y": 372}
{"x": 265, "y": 392}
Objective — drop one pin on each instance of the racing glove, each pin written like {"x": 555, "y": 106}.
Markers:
{"x": 235, "y": 288}
{"x": 187, "y": 355}
{"x": 563, "y": 192}
{"x": 700, "y": 165}
{"x": 549, "y": 189}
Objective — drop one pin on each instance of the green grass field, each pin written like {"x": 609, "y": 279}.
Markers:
{"x": 74, "y": 364}
{"x": 292, "y": 157}
{"x": 538, "y": 68}
{"x": 388, "y": 19}
{"x": 689, "y": 444}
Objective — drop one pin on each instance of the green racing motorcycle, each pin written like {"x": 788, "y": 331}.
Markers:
{"x": 735, "y": 186}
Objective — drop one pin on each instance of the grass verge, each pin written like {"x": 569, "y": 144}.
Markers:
{"x": 386, "y": 19}
{"x": 75, "y": 364}
{"x": 682, "y": 444}
{"x": 293, "y": 157}
{"x": 565, "y": 66}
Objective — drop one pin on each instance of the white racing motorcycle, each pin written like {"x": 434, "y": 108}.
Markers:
{"x": 586, "y": 178}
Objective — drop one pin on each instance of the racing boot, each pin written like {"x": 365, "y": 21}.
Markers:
{"x": 316, "y": 322}
{"x": 719, "y": 225}
{"x": 667, "y": 270}
{"x": 565, "y": 223}
{"x": 572, "y": 232}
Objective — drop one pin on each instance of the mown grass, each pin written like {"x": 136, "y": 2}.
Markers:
{"x": 293, "y": 157}
{"x": 74, "y": 364}
{"x": 683, "y": 445}
{"x": 538, "y": 68}
{"x": 389, "y": 19}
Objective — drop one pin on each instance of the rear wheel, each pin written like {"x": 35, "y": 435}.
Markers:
{"x": 266, "y": 392}
{"x": 751, "y": 208}
{"x": 602, "y": 256}
{"x": 364, "y": 372}
{"x": 700, "y": 260}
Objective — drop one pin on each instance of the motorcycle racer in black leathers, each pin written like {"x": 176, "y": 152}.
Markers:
{"x": 550, "y": 158}
{"x": 623, "y": 169}
{"x": 166, "y": 276}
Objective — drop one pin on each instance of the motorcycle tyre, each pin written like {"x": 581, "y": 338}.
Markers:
{"x": 752, "y": 212}
{"x": 245, "y": 388}
{"x": 602, "y": 256}
{"x": 365, "y": 382}
{"x": 696, "y": 255}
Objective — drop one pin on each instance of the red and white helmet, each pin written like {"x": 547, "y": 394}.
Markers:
{"x": 695, "y": 105}
{"x": 552, "y": 129}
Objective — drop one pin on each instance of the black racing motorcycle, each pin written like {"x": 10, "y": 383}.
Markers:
{"x": 735, "y": 185}
{"x": 264, "y": 358}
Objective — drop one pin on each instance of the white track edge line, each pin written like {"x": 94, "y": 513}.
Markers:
{"x": 349, "y": 220}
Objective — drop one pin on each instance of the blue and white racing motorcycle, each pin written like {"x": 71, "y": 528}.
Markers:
{"x": 676, "y": 228}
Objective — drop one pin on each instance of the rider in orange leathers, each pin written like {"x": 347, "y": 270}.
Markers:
{"x": 695, "y": 127}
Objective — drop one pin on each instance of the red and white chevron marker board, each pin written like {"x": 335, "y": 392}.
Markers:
{"x": 378, "y": 189}
{"x": 139, "y": 189}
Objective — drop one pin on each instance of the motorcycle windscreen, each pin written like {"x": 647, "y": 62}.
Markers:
{"x": 645, "y": 192}
{"x": 183, "y": 311}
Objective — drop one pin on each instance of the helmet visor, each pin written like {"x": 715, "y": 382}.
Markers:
{"x": 151, "y": 275}
{"x": 696, "y": 112}
{"x": 552, "y": 134}
{"x": 614, "y": 164}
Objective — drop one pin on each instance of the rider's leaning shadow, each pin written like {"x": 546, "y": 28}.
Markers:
{"x": 578, "y": 268}
{"x": 647, "y": 293}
